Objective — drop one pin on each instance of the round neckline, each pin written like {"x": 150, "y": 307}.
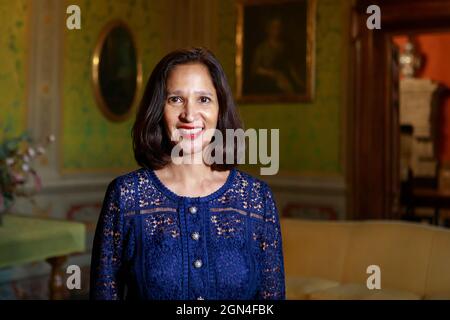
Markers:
{"x": 165, "y": 190}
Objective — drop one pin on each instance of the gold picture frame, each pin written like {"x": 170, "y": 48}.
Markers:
{"x": 116, "y": 79}
{"x": 270, "y": 67}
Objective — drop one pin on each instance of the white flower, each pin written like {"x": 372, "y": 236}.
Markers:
{"x": 26, "y": 158}
{"x": 9, "y": 161}
{"x": 40, "y": 150}
{"x": 25, "y": 167}
{"x": 31, "y": 152}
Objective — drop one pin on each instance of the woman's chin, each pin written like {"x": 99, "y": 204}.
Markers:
{"x": 192, "y": 150}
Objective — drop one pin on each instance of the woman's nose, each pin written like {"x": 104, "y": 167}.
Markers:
{"x": 188, "y": 113}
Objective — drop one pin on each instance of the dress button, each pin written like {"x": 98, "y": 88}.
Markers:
{"x": 193, "y": 210}
{"x": 195, "y": 236}
{"x": 198, "y": 263}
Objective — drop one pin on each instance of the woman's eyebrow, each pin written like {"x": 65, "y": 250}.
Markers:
{"x": 204, "y": 93}
{"x": 199, "y": 92}
{"x": 175, "y": 92}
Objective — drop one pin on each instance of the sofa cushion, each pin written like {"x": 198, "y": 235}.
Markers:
{"x": 299, "y": 288}
{"x": 438, "y": 296}
{"x": 438, "y": 280}
{"x": 315, "y": 248}
{"x": 400, "y": 249}
{"x": 413, "y": 258}
{"x": 354, "y": 291}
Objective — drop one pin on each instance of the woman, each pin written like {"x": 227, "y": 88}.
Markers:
{"x": 179, "y": 231}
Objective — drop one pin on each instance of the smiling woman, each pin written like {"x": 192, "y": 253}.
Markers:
{"x": 186, "y": 231}
{"x": 169, "y": 91}
{"x": 191, "y": 108}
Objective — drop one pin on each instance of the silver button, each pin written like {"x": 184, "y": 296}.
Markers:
{"x": 200, "y": 298}
{"x": 193, "y": 210}
{"x": 198, "y": 263}
{"x": 195, "y": 236}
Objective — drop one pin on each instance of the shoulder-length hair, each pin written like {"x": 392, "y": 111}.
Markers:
{"x": 151, "y": 143}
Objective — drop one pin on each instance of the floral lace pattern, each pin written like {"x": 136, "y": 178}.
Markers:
{"x": 153, "y": 244}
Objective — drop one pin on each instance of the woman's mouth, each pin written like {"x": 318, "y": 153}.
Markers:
{"x": 190, "y": 133}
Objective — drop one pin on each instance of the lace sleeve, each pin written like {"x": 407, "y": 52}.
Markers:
{"x": 272, "y": 280}
{"x": 106, "y": 262}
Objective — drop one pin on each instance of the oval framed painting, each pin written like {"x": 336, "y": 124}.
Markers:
{"x": 116, "y": 71}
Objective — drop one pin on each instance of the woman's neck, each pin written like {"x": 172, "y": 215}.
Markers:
{"x": 187, "y": 173}
{"x": 192, "y": 180}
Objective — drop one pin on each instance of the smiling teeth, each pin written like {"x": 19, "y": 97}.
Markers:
{"x": 189, "y": 131}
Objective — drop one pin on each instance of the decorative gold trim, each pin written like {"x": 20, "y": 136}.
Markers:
{"x": 62, "y": 46}
{"x": 27, "y": 31}
{"x": 310, "y": 55}
{"x": 244, "y": 213}
{"x": 254, "y": 215}
{"x": 149, "y": 211}
{"x": 239, "y": 48}
{"x": 95, "y": 60}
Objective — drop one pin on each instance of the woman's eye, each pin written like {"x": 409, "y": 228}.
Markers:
{"x": 204, "y": 99}
{"x": 175, "y": 99}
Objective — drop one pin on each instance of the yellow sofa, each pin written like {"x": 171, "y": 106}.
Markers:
{"x": 329, "y": 259}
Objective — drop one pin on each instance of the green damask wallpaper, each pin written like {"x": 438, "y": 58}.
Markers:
{"x": 13, "y": 57}
{"x": 89, "y": 141}
{"x": 310, "y": 133}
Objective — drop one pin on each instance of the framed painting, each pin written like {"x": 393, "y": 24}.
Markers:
{"x": 275, "y": 50}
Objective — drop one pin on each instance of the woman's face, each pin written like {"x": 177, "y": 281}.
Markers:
{"x": 191, "y": 107}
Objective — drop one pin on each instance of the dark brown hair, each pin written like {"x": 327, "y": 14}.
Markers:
{"x": 151, "y": 144}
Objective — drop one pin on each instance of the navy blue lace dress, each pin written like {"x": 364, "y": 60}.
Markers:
{"x": 153, "y": 244}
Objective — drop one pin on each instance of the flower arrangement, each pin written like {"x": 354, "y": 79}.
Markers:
{"x": 16, "y": 171}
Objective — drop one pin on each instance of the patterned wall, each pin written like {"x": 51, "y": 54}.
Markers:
{"x": 13, "y": 66}
{"x": 310, "y": 133}
{"x": 89, "y": 140}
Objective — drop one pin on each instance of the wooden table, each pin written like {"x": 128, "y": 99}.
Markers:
{"x": 26, "y": 239}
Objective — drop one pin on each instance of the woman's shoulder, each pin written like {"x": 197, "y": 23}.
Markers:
{"x": 129, "y": 180}
{"x": 258, "y": 195}
{"x": 254, "y": 184}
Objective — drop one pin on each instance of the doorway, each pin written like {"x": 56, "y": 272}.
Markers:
{"x": 374, "y": 176}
